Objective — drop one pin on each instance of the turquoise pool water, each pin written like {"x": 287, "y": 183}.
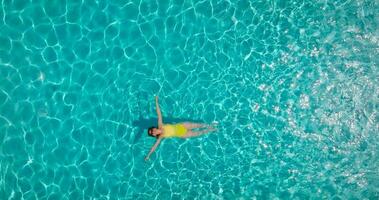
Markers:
{"x": 293, "y": 86}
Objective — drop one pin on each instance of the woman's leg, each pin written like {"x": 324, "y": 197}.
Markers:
{"x": 190, "y": 125}
{"x": 191, "y": 133}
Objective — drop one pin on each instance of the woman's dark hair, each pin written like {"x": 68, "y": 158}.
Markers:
{"x": 150, "y": 131}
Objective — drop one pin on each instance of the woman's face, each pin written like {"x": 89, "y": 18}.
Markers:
{"x": 156, "y": 132}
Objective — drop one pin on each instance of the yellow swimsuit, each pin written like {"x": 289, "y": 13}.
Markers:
{"x": 174, "y": 130}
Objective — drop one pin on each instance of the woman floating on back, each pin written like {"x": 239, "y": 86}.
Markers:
{"x": 181, "y": 130}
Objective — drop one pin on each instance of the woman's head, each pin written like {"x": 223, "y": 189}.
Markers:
{"x": 153, "y": 131}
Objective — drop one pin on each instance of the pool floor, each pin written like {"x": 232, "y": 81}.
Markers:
{"x": 292, "y": 85}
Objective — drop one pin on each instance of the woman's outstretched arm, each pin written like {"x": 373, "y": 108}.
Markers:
{"x": 160, "y": 121}
{"x": 153, "y": 148}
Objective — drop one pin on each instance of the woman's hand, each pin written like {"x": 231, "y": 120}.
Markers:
{"x": 153, "y": 148}
{"x": 160, "y": 121}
